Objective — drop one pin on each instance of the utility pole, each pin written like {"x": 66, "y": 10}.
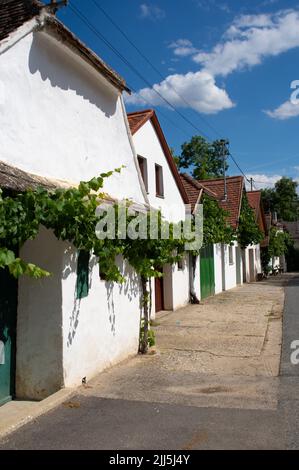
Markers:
{"x": 251, "y": 184}
{"x": 224, "y": 154}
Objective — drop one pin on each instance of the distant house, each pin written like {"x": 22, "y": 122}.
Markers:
{"x": 228, "y": 259}
{"x": 220, "y": 264}
{"x": 252, "y": 258}
{"x": 165, "y": 192}
{"x": 63, "y": 121}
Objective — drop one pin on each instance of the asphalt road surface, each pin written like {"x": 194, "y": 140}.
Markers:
{"x": 90, "y": 422}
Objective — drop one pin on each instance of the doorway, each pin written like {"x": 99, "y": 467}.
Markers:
{"x": 8, "y": 320}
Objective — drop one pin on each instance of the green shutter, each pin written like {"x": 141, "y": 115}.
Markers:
{"x": 82, "y": 274}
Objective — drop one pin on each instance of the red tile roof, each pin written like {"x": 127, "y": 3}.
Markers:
{"x": 255, "y": 202}
{"x": 194, "y": 189}
{"x": 235, "y": 188}
{"x": 136, "y": 121}
{"x": 15, "y": 13}
{"x": 254, "y": 199}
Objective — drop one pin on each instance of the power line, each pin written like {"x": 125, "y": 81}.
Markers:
{"x": 85, "y": 20}
{"x": 132, "y": 67}
{"x": 99, "y": 7}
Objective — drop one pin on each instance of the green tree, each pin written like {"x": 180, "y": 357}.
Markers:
{"x": 203, "y": 158}
{"x": 248, "y": 231}
{"x": 283, "y": 199}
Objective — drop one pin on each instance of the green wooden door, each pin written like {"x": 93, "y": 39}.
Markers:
{"x": 207, "y": 274}
{"x": 8, "y": 314}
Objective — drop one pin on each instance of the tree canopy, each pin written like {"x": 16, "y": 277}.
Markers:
{"x": 202, "y": 158}
{"x": 282, "y": 199}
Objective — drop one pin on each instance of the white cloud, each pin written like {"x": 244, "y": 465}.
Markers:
{"x": 262, "y": 181}
{"x": 151, "y": 12}
{"x": 285, "y": 111}
{"x": 249, "y": 40}
{"x": 246, "y": 43}
{"x": 198, "y": 89}
{"x": 182, "y": 47}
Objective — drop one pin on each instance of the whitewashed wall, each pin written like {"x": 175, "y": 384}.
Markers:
{"x": 39, "y": 370}
{"x": 147, "y": 145}
{"x": 229, "y": 270}
{"x": 218, "y": 268}
{"x": 102, "y": 328}
{"x": 61, "y": 339}
{"x": 257, "y": 265}
{"x": 176, "y": 285}
{"x": 68, "y": 119}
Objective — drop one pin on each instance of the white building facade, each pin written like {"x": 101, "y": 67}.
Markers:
{"x": 62, "y": 116}
{"x": 166, "y": 193}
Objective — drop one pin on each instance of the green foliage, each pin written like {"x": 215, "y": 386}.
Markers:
{"x": 248, "y": 232}
{"x": 204, "y": 158}
{"x": 151, "y": 337}
{"x": 216, "y": 229}
{"x": 283, "y": 199}
{"x": 280, "y": 242}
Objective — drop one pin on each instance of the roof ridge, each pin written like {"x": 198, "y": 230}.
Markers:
{"x": 197, "y": 184}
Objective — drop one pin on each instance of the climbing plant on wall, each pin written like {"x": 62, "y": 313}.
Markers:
{"x": 71, "y": 214}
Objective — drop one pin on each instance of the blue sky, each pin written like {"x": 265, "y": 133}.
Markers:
{"x": 227, "y": 65}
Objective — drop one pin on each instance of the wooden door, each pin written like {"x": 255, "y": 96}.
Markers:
{"x": 8, "y": 315}
{"x": 207, "y": 272}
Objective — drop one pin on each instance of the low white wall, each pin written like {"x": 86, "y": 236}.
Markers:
{"x": 230, "y": 274}
{"x": 181, "y": 284}
{"x": 256, "y": 259}
{"x": 39, "y": 370}
{"x": 60, "y": 339}
{"x": 218, "y": 268}
{"x": 102, "y": 328}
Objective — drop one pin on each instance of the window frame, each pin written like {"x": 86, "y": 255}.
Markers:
{"x": 142, "y": 162}
{"x": 159, "y": 180}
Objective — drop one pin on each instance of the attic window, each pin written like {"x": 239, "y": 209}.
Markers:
{"x": 159, "y": 181}
{"x": 143, "y": 170}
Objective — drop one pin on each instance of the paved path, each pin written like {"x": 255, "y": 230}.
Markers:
{"x": 211, "y": 385}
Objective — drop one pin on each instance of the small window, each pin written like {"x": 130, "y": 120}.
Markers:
{"x": 82, "y": 287}
{"x": 231, "y": 255}
{"x": 159, "y": 181}
{"x": 143, "y": 169}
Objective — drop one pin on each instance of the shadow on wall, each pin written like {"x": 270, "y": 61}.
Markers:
{"x": 59, "y": 67}
{"x": 131, "y": 289}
